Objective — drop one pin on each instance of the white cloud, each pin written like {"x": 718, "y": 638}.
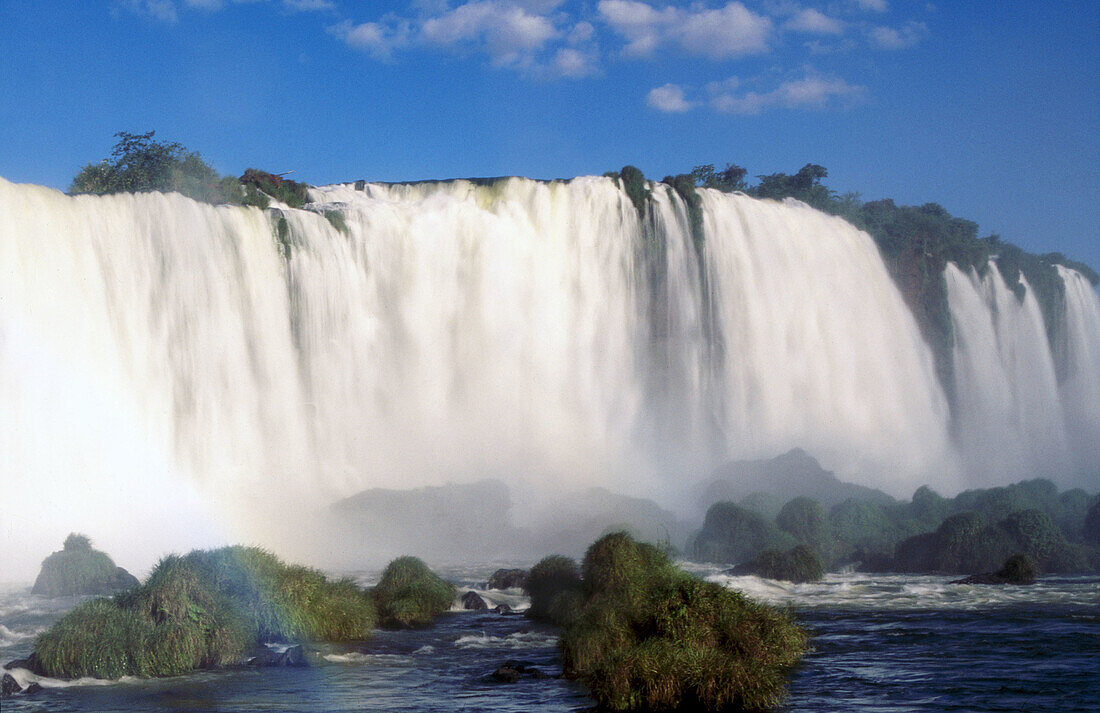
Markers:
{"x": 507, "y": 32}
{"x": 511, "y": 33}
{"x": 669, "y": 99}
{"x": 160, "y": 10}
{"x": 875, "y": 5}
{"x": 373, "y": 38}
{"x": 569, "y": 62}
{"x": 810, "y": 92}
{"x": 810, "y": 20}
{"x": 893, "y": 39}
{"x": 309, "y": 5}
{"x": 730, "y": 31}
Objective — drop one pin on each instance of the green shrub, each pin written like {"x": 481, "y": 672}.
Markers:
{"x": 733, "y": 534}
{"x": 651, "y": 637}
{"x": 966, "y": 543}
{"x": 138, "y": 163}
{"x": 804, "y": 519}
{"x": 410, "y": 595}
{"x": 1037, "y": 536}
{"x": 799, "y": 565}
{"x": 292, "y": 193}
{"x": 554, "y": 585}
{"x": 1091, "y": 528}
{"x": 203, "y": 610}
{"x": 862, "y": 524}
{"x": 636, "y": 188}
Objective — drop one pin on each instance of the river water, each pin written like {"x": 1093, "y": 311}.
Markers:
{"x": 880, "y": 644}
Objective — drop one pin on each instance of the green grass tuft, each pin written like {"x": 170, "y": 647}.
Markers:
{"x": 648, "y": 636}
{"x": 554, "y": 585}
{"x": 410, "y": 595}
{"x": 203, "y": 610}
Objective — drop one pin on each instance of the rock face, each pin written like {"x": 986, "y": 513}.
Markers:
{"x": 508, "y": 579}
{"x": 473, "y": 601}
{"x": 80, "y": 570}
{"x": 1017, "y": 569}
{"x": 9, "y": 686}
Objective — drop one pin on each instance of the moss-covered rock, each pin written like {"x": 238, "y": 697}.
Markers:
{"x": 1017, "y": 569}
{"x": 651, "y": 637}
{"x": 799, "y": 565}
{"x": 410, "y": 595}
{"x": 734, "y": 534}
{"x": 79, "y": 569}
{"x": 203, "y": 610}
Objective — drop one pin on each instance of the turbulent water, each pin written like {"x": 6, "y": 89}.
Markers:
{"x": 880, "y": 644}
{"x": 177, "y": 369}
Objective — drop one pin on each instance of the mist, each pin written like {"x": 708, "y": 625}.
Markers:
{"x": 175, "y": 375}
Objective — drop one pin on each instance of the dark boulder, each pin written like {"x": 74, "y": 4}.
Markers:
{"x": 33, "y": 687}
{"x": 30, "y": 663}
{"x": 508, "y": 579}
{"x": 513, "y": 670}
{"x": 1017, "y": 569}
{"x": 9, "y": 686}
{"x": 504, "y": 609}
{"x": 506, "y": 674}
{"x": 473, "y": 601}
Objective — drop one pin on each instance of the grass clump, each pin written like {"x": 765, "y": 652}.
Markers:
{"x": 554, "y": 585}
{"x": 203, "y": 610}
{"x": 410, "y": 595}
{"x": 651, "y": 637}
{"x": 79, "y": 569}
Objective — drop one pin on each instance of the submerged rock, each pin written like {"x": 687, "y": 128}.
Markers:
{"x": 1017, "y": 569}
{"x": 508, "y": 579}
{"x": 472, "y": 601}
{"x": 293, "y": 656}
{"x": 512, "y": 671}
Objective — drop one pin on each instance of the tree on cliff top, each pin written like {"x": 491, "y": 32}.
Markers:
{"x": 139, "y": 163}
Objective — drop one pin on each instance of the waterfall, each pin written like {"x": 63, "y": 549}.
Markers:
{"x": 181, "y": 370}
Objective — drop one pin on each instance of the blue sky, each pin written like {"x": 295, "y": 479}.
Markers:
{"x": 989, "y": 108}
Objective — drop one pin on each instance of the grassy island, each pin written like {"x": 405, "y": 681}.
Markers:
{"x": 646, "y": 635}
{"x": 207, "y": 609}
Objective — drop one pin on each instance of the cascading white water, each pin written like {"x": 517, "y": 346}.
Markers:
{"x": 1011, "y": 423}
{"x": 1080, "y": 388}
{"x": 162, "y": 362}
